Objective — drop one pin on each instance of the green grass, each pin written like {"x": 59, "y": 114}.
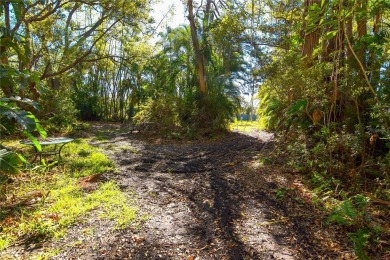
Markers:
{"x": 103, "y": 135}
{"x": 48, "y": 199}
{"x": 47, "y": 254}
{"x": 244, "y": 126}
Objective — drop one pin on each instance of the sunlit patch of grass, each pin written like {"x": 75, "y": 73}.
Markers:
{"x": 89, "y": 160}
{"x": 46, "y": 255}
{"x": 4, "y": 241}
{"x": 244, "y": 126}
{"x": 115, "y": 204}
{"x": 127, "y": 148}
{"x": 48, "y": 199}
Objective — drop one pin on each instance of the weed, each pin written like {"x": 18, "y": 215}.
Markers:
{"x": 281, "y": 192}
{"x": 344, "y": 214}
{"x": 44, "y": 167}
{"x": 47, "y": 254}
{"x": 152, "y": 194}
{"x": 349, "y": 212}
{"x": 88, "y": 231}
{"x": 110, "y": 147}
{"x": 360, "y": 240}
{"x": 4, "y": 241}
{"x": 125, "y": 148}
{"x": 102, "y": 135}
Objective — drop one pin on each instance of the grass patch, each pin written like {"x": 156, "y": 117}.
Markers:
{"x": 244, "y": 126}
{"x": 47, "y": 254}
{"x": 103, "y": 135}
{"x": 45, "y": 201}
{"x": 85, "y": 160}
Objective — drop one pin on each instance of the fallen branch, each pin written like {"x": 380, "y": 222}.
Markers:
{"x": 267, "y": 223}
{"x": 375, "y": 200}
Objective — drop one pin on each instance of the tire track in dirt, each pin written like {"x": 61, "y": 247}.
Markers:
{"x": 203, "y": 200}
{"x": 195, "y": 200}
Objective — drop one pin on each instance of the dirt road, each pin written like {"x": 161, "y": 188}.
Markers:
{"x": 202, "y": 200}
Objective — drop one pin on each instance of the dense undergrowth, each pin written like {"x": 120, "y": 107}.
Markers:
{"x": 340, "y": 145}
{"x": 356, "y": 204}
{"x": 189, "y": 117}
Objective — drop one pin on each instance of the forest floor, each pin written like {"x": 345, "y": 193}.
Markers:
{"x": 209, "y": 199}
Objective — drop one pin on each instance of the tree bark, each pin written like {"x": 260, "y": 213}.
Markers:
{"x": 373, "y": 61}
{"x": 6, "y": 86}
{"x": 198, "y": 54}
{"x": 311, "y": 39}
{"x": 349, "y": 34}
{"x": 361, "y": 20}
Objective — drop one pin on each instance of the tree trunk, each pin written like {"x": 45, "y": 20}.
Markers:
{"x": 311, "y": 39}
{"x": 198, "y": 54}
{"x": 361, "y": 20}
{"x": 373, "y": 62}
{"x": 6, "y": 85}
{"x": 349, "y": 32}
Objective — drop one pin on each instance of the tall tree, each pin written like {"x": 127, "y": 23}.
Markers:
{"x": 61, "y": 34}
{"x": 198, "y": 54}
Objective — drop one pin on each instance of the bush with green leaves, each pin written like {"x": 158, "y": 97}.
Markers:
{"x": 333, "y": 130}
{"x": 351, "y": 213}
{"x": 190, "y": 116}
{"x": 58, "y": 109}
{"x": 216, "y": 111}
{"x": 15, "y": 116}
{"x": 162, "y": 113}
{"x": 26, "y": 121}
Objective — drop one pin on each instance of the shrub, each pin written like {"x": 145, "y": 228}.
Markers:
{"x": 162, "y": 113}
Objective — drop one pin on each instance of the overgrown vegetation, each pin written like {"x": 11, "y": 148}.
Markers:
{"x": 321, "y": 68}
{"x": 328, "y": 101}
{"x": 14, "y": 119}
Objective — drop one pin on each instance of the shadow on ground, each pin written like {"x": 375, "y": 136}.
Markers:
{"x": 202, "y": 200}
{"x": 205, "y": 200}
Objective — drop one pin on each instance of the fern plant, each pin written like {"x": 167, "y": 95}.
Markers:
{"x": 350, "y": 211}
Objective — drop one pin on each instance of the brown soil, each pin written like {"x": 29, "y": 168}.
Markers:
{"x": 204, "y": 200}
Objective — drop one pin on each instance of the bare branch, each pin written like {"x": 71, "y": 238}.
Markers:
{"x": 81, "y": 58}
{"x": 41, "y": 16}
{"x": 68, "y": 21}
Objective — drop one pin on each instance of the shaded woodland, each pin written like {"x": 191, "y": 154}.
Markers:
{"x": 319, "y": 69}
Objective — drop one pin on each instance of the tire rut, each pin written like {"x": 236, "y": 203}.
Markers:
{"x": 194, "y": 198}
